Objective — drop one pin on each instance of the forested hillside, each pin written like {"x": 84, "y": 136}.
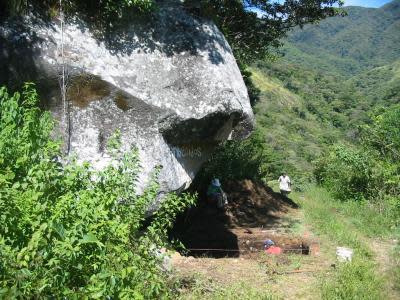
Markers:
{"x": 332, "y": 77}
{"x": 364, "y": 39}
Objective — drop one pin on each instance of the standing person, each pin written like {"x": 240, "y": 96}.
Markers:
{"x": 284, "y": 184}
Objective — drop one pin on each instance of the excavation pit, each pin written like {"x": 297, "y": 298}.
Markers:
{"x": 255, "y": 213}
{"x": 249, "y": 243}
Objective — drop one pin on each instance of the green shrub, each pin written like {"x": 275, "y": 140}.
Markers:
{"x": 369, "y": 171}
{"x": 67, "y": 230}
{"x": 384, "y": 134}
{"x": 252, "y": 158}
{"x": 348, "y": 172}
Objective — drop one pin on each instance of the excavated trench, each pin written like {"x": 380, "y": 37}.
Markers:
{"x": 254, "y": 214}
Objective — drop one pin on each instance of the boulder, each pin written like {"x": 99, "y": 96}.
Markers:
{"x": 172, "y": 86}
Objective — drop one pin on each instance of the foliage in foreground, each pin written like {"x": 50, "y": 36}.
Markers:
{"x": 69, "y": 231}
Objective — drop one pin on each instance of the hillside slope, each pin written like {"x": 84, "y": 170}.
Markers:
{"x": 288, "y": 126}
{"x": 333, "y": 76}
{"x": 365, "y": 38}
{"x": 380, "y": 85}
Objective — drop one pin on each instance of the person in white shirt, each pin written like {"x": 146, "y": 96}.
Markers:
{"x": 284, "y": 184}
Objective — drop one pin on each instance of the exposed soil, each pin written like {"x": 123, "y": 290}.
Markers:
{"x": 253, "y": 204}
{"x": 254, "y": 214}
{"x": 235, "y": 237}
{"x": 287, "y": 276}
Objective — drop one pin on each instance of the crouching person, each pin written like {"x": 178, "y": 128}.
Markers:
{"x": 215, "y": 194}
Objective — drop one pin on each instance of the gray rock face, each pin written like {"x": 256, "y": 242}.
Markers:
{"x": 173, "y": 88}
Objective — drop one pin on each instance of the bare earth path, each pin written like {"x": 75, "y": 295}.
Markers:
{"x": 255, "y": 213}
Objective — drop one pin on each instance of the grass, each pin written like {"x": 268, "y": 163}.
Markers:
{"x": 355, "y": 280}
{"x": 323, "y": 215}
{"x": 366, "y": 218}
{"x": 359, "y": 279}
{"x": 394, "y": 272}
{"x": 198, "y": 287}
{"x": 282, "y": 96}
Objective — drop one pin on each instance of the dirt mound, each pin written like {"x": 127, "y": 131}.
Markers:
{"x": 252, "y": 207}
{"x": 253, "y": 204}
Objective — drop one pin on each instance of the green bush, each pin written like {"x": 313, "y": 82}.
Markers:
{"x": 369, "y": 171}
{"x": 348, "y": 173}
{"x": 252, "y": 158}
{"x": 69, "y": 231}
{"x": 383, "y": 134}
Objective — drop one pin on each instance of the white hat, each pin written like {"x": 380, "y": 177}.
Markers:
{"x": 215, "y": 182}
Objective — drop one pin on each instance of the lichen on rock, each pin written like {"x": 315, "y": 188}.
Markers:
{"x": 172, "y": 87}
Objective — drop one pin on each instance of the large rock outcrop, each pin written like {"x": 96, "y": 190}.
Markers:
{"x": 172, "y": 86}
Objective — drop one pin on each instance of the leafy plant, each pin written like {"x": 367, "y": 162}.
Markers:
{"x": 67, "y": 230}
{"x": 348, "y": 173}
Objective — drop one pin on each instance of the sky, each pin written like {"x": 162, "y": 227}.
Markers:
{"x": 366, "y": 3}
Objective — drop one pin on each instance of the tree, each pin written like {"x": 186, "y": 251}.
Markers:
{"x": 97, "y": 8}
{"x": 254, "y": 27}
{"x": 383, "y": 134}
